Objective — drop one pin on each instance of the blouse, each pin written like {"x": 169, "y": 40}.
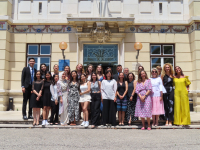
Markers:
{"x": 157, "y": 86}
{"x": 55, "y": 92}
{"x": 108, "y": 89}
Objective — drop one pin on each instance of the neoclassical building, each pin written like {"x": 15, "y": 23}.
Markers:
{"x": 98, "y": 32}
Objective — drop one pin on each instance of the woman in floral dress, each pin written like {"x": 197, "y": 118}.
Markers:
{"x": 144, "y": 103}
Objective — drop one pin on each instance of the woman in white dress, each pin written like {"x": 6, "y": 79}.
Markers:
{"x": 85, "y": 99}
{"x": 63, "y": 111}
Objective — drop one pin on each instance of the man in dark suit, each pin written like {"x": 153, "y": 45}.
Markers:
{"x": 27, "y": 78}
{"x": 119, "y": 69}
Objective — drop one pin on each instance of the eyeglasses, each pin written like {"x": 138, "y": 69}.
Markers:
{"x": 154, "y": 71}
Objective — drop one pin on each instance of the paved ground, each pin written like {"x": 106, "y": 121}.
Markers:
{"x": 37, "y": 139}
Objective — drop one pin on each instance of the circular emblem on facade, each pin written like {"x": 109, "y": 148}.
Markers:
{"x": 69, "y": 29}
{"x": 38, "y": 30}
{"x": 132, "y": 28}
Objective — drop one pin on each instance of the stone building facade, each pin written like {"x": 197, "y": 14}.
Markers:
{"x": 98, "y": 32}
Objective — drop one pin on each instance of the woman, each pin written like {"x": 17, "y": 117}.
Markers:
{"x": 157, "y": 96}
{"x": 109, "y": 96}
{"x": 85, "y": 99}
{"x": 73, "y": 98}
{"x": 122, "y": 89}
{"x": 89, "y": 72}
{"x": 46, "y": 98}
{"x": 64, "y": 87}
{"x": 131, "y": 97}
{"x": 140, "y": 68}
{"x": 43, "y": 70}
{"x": 181, "y": 102}
{"x": 56, "y": 97}
{"x": 80, "y": 70}
{"x": 144, "y": 104}
{"x": 67, "y": 73}
{"x": 159, "y": 68}
{"x": 99, "y": 72}
{"x": 96, "y": 99}
{"x": 168, "y": 97}
{"x": 36, "y": 102}
{"x": 55, "y": 69}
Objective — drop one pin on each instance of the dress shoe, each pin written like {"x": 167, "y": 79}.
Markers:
{"x": 25, "y": 118}
{"x": 30, "y": 117}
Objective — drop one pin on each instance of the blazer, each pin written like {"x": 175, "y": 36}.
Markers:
{"x": 115, "y": 76}
{"x": 26, "y": 77}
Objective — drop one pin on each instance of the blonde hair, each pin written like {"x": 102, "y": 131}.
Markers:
{"x": 82, "y": 71}
{"x": 159, "y": 67}
{"x": 156, "y": 70}
{"x": 171, "y": 69}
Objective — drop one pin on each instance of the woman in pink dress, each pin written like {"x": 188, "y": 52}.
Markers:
{"x": 144, "y": 103}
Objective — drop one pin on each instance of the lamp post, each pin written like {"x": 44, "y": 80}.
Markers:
{"x": 138, "y": 47}
{"x": 63, "y": 47}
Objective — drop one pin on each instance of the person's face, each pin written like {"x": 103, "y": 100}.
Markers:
{"x": 90, "y": 68}
{"x": 31, "y": 62}
{"x": 99, "y": 68}
{"x": 43, "y": 68}
{"x": 140, "y": 69}
{"x": 154, "y": 73}
{"x": 167, "y": 68}
{"x": 159, "y": 70}
{"x": 121, "y": 75}
{"x": 130, "y": 77}
{"x": 108, "y": 75}
{"x": 63, "y": 76}
{"x": 48, "y": 76}
{"x": 56, "y": 78}
{"x": 126, "y": 71}
{"x": 66, "y": 69}
{"x": 143, "y": 74}
{"x": 80, "y": 67}
{"x": 94, "y": 77}
{"x": 74, "y": 75}
{"x": 83, "y": 78}
{"x": 38, "y": 75}
{"x": 55, "y": 68}
{"x": 178, "y": 70}
{"x": 119, "y": 69}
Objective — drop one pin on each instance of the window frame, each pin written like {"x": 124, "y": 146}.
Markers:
{"x": 162, "y": 55}
{"x": 39, "y": 55}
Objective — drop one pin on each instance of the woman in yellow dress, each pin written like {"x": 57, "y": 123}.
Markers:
{"x": 181, "y": 104}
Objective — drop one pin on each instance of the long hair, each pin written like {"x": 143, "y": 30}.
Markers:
{"x": 155, "y": 70}
{"x": 53, "y": 80}
{"x": 139, "y": 76}
{"x": 81, "y": 82}
{"x": 181, "y": 71}
{"x": 171, "y": 69}
{"x": 101, "y": 70}
{"x": 159, "y": 67}
{"x": 82, "y": 71}
{"x": 87, "y": 72}
{"x": 48, "y": 72}
{"x": 119, "y": 77}
{"x": 69, "y": 71}
{"x": 109, "y": 71}
{"x": 129, "y": 75}
{"x": 71, "y": 78}
{"x": 92, "y": 75}
{"x": 35, "y": 78}
{"x": 43, "y": 72}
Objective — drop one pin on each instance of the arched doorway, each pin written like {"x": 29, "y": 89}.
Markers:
{"x": 105, "y": 55}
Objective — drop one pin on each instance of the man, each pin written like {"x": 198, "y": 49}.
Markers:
{"x": 126, "y": 72}
{"x": 27, "y": 78}
{"x": 119, "y": 69}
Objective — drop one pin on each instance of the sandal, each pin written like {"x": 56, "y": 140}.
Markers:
{"x": 149, "y": 128}
{"x": 143, "y": 128}
{"x": 166, "y": 124}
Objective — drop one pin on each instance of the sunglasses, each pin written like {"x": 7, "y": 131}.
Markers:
{"x": 154, "y": 71}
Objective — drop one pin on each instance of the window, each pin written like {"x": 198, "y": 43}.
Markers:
{"x": 41, "y": 53}
{"x": 161, "y": 54}
{"x": 160, "y": 8}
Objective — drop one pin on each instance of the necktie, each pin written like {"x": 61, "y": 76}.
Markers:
{"x": 31, "y": 75}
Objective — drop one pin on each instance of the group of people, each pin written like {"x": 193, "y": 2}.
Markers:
{"x": 101, "y": 96}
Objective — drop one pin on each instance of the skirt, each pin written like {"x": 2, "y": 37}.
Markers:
{"x": 85, "y": 98}
{"x": 157, "y": 106}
